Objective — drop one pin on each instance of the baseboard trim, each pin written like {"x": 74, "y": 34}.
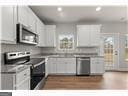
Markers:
{"x": 120, "y": 69}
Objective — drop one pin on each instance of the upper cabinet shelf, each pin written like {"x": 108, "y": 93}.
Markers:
{"x": 88, "y": 35}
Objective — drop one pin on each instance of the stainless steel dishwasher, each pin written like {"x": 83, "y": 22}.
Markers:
{"x": 83, "y": 66}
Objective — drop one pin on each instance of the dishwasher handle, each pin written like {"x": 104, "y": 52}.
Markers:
{"x": 87, "y": 59}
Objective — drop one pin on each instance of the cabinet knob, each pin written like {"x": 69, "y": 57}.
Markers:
{"x": 25, "y": 74}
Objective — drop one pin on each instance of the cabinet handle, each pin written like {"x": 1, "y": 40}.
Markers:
{"x": 116, "y": 52}
{"x": 25, "y": 74}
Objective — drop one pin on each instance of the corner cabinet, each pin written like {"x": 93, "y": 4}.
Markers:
{"x": 8, "y": 24}
{"x": 88, "y": 35}
{"x": 50, "y": 35}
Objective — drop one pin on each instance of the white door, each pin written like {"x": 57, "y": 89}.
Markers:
{"x": 111, "y": 51}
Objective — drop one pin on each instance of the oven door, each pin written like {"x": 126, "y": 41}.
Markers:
{"x": 37, "y": 74}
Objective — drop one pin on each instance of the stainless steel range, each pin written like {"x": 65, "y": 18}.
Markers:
{"x": 18, "y": 61}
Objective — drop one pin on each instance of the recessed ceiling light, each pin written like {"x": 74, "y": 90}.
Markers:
{"x": 98, "y": 8}
{"x": 59, "y": 9}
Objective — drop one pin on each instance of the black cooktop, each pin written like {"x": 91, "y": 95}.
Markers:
{"x": 34, "y": 61}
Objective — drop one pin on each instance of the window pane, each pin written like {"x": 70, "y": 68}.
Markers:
{"x": 66, "y": 42}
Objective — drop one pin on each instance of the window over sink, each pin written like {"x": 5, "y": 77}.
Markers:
{"x": 66, "y": 42}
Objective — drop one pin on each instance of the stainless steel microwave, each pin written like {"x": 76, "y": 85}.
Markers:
{"x": 25, "y": 35}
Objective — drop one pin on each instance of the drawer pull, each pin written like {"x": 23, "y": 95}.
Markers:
{"x": 25, "y": 74}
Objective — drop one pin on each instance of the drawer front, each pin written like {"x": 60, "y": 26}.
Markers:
{"x": 25, "y": 85}
{"x": 22, "y": 75}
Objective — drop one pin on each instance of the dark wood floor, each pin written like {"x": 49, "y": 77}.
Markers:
{"x": 109, "y": 81}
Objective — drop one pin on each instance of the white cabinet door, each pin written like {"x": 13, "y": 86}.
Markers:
{"x": 41, "y": 33}
{"x": 61, "y": 65}
{"x": 88, "y": 35}
{"x": 100, "y": 66}
{"x": 71, "y": 66}
{"x": 8, "y": 24}
{"x": 66, "y": 65}
{"x": 83, "y": 35}
{"x": 32, "y": 20}
{"x": 97, "y": 65}
{"x": 52, "y": 65}
{"x": 23, "y": 15}
{"x": 25, "y": 85}
{"x": 95, "y": 35}
{"x": 50, "y": 35}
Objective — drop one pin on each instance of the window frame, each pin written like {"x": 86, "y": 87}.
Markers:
{"x": 66, "y": 48}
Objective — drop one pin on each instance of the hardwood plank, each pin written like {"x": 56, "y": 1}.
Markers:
{"x": 110, "y": 80}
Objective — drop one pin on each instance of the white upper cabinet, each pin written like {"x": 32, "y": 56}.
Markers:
{"x": 95, "y": 35}
{"x": 50, "y": 35}
{"x": 83, "y": 35}
{"x": 41, "y": 33}
{"x": 8, "y": 24}
{"x": 32, "y": 20}
{"x": 88, "y": 35}
{"x": 23, "y": 15}
{"x": 27, "y": 17}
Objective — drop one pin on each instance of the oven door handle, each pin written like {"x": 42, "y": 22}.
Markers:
{"x": 38, "y": 64}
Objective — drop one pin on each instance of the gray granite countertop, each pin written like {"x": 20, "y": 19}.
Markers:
{"x": 64, "y": 55}
{"x": 12, "y": 69}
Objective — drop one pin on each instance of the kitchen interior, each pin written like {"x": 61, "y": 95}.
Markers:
{"x": 64, "y": 47}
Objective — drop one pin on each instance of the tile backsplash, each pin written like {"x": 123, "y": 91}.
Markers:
{"x": 18, "y": 47}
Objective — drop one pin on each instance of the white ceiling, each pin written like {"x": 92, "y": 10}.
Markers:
{"x": 81, "y": 13}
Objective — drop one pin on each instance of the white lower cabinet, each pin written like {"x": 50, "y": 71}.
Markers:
{"x": 62, "y": 66}
{"x": 97, "y": 65}
{"x": 51, "y": 63}
{"x": 71, "y": 65}
{"x": 16, "y": 81}
{"x": 25, "y": 85}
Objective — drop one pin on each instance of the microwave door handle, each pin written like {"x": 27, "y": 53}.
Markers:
{"x": 37, "y": 39}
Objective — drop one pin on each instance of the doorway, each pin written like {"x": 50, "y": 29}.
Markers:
{"x": 111, "y": 50}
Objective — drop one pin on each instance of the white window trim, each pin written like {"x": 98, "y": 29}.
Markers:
{"x": 66, "y": 49}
